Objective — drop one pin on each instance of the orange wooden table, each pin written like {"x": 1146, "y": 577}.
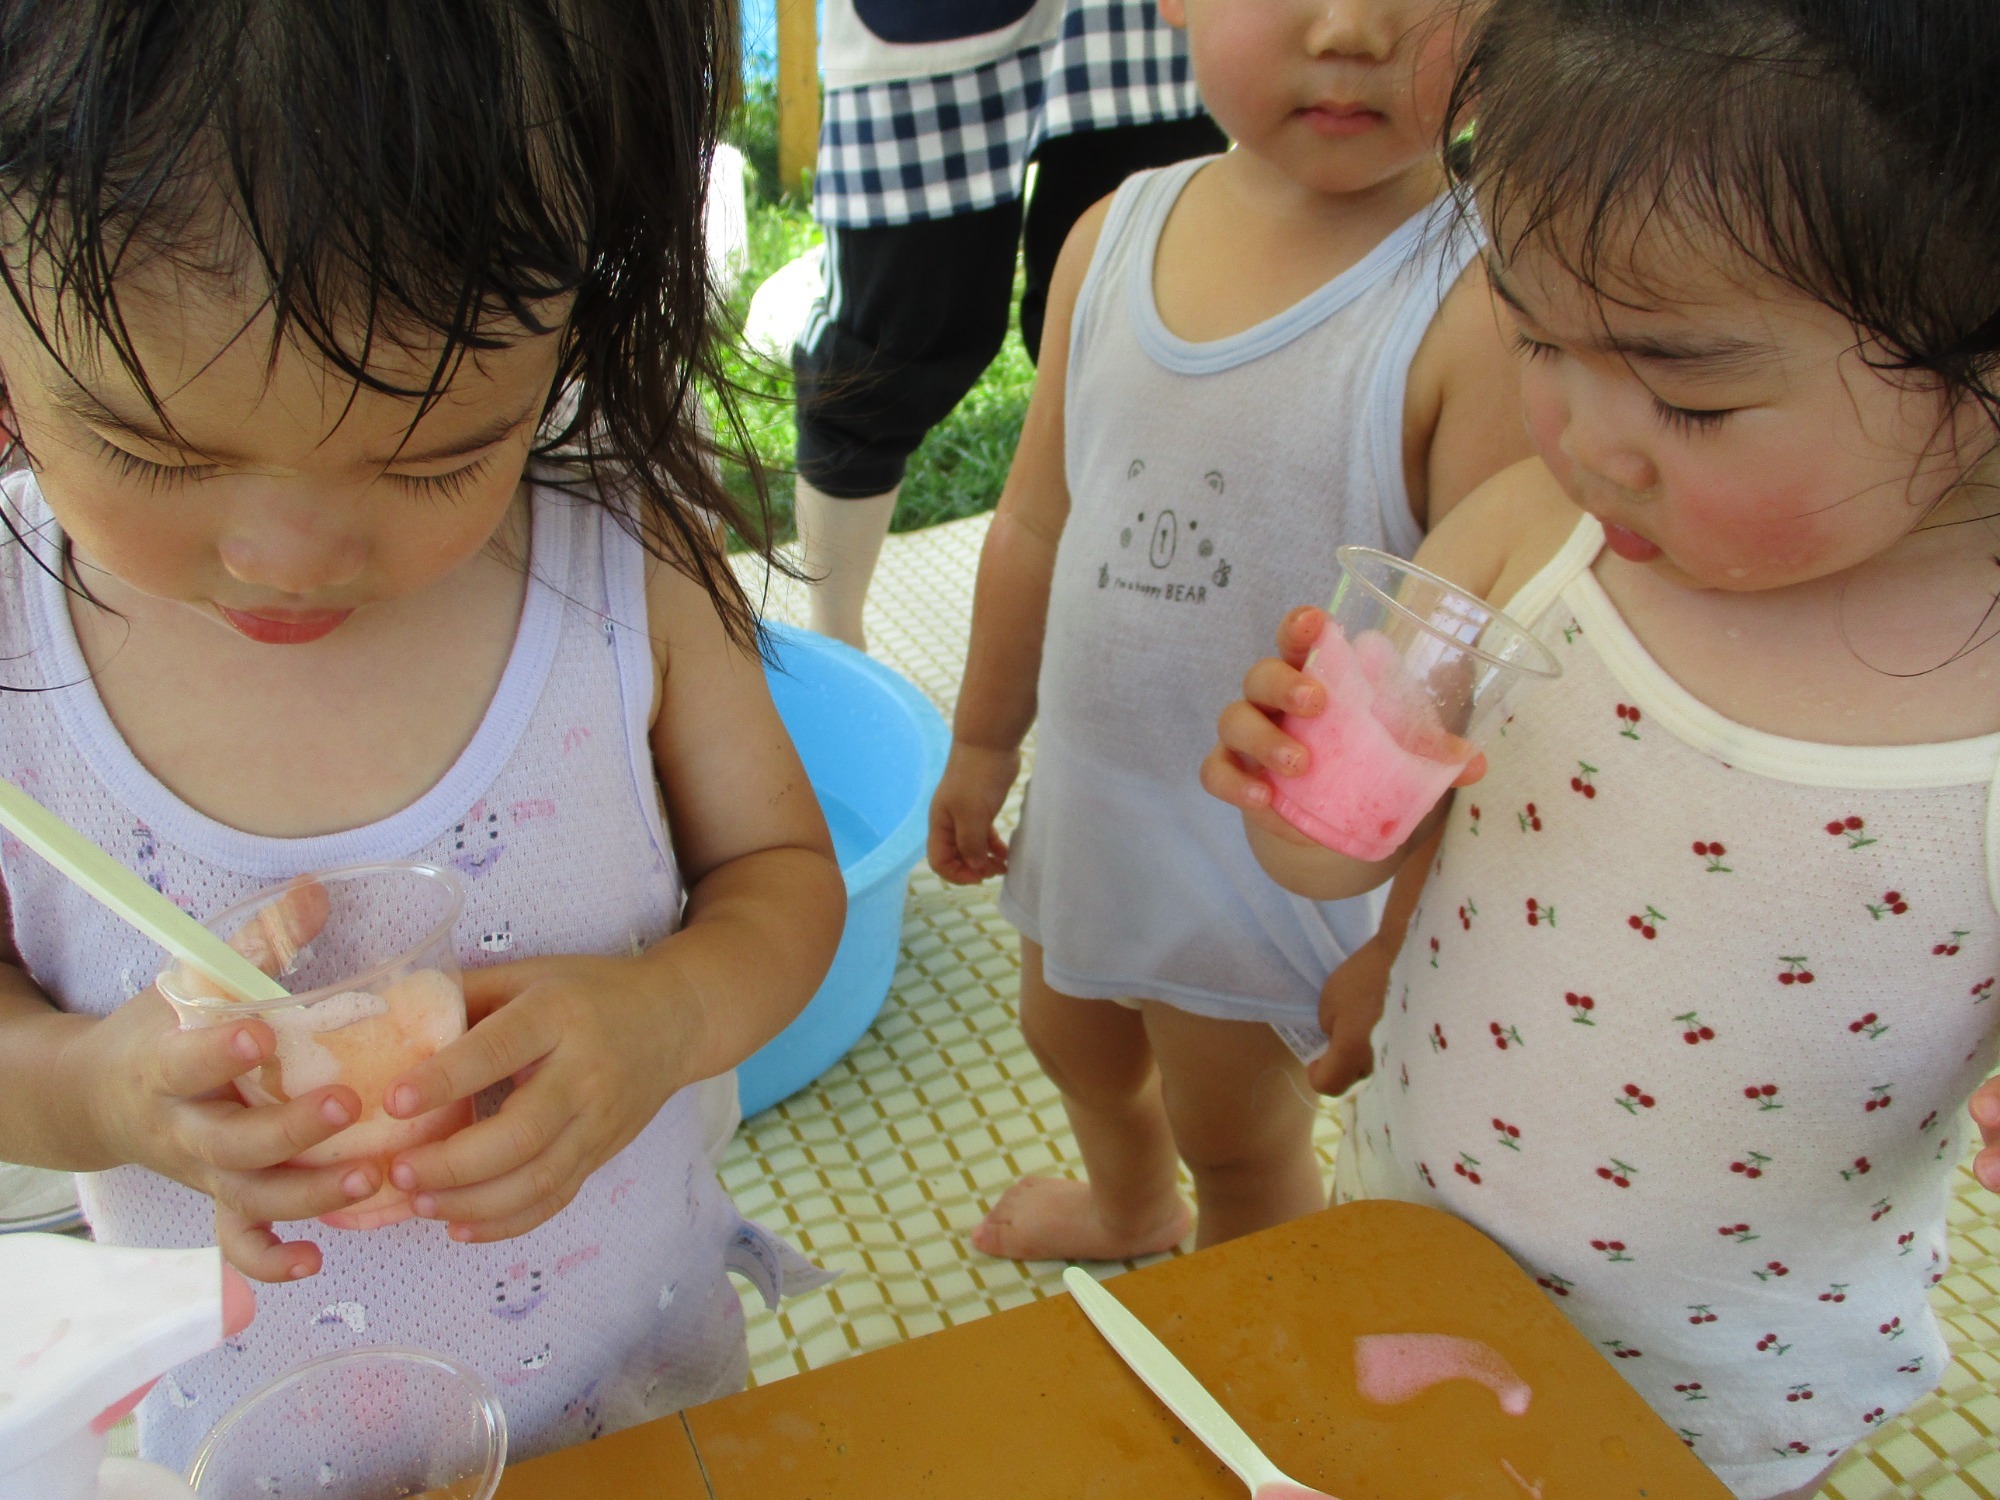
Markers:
{"x": 1031, "y": 1404}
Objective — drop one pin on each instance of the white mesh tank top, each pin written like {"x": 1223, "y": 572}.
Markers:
{"x": 1209, "y": 486}
{"x": 1687, "y": 1021}
{"x": 616, "y": 1309}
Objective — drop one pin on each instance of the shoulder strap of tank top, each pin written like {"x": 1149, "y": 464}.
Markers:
{"x": 1533, "y": 598}
{"x": 1993, "y": 837}
{"x": 1138, "y": 210}
{"x": 628, "y": 629}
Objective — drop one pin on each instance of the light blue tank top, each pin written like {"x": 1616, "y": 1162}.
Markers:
{"x": 1209, "y": 486}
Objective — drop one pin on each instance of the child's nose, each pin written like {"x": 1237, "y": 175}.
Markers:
{"x": 1351, "y": 28}
{"x": 1603, "y": 455}
{"x": 295, "y": 557}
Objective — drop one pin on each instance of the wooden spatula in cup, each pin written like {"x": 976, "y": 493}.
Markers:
{"x": 130, "y": 897}
{"x": 1184, "y": 1396}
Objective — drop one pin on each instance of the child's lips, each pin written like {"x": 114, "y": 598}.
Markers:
{"x": 284, "y": 628}
{"x": 1628, "y": 544}
{"x": 1341, "y": 119}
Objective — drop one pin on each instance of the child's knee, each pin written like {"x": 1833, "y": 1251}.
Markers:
{"x": 1089, "y": 1049}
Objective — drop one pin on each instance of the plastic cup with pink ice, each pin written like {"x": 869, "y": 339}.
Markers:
{"x": 366, "y": 953}
{"x": 1418, "y": 675}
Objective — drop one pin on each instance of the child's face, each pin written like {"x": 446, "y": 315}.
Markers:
{"x": 289, "y": 499}
{"x": 1340, "y": 95}
{"x": 1733, "y": 437}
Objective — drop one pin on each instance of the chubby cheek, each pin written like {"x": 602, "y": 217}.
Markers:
{"x": 1763, "y": 525}
{"x": 1546, "y": 414}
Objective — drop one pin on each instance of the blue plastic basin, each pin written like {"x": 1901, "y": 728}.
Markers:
{"x": 873, "y": 747}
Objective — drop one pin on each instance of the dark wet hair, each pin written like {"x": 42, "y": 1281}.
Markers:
{"x": 395, "y": 173}
{"x": 1849, "y": 148}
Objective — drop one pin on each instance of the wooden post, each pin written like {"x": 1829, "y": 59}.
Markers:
{"x": 798, "y": 92}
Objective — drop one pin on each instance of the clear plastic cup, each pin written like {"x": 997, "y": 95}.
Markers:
{"x": 367, "y": 954}
{"x": 371, "y": 1424}
{"x": 1418, "y": 674}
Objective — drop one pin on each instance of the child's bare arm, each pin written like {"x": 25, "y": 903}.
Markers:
{"x": 81, "y": 1094}
{"x": 1463, "y": 420}
{"x": 1351, "y": 1001}
{"x": 996, "y": 701}
{"x": 598, "y": 1044}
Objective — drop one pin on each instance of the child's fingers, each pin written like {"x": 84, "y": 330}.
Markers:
{"x": 282, "y": 1194}
{"x": 1299, "y": 632}
{"x": 1474, "y": 771}
{"x": 1258, "y": 741}
{"x": 500, "y": 1045}
{"x": 1223, "y": 777}
{"x": 188, "y": 1064}
{"x": 259, "y": 1254}
{"x": 1986, "y": 1167}
{"x": 532, "y": 1191}
{"x": 1985, "y": 1109}
{"x": 1279, "y": 687}
{"x": 231, "y": 1138}
{"x": 531, "y": 1127}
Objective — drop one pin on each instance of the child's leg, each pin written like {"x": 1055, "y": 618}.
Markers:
{"x": 1095, "y": 1052}
{"x": 1242, "y": 1116}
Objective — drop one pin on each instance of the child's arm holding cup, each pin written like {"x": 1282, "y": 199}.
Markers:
{"x": 82, "y": 1094}
{"x": 996, "y": 701}
{"x": 597, "y": 1044}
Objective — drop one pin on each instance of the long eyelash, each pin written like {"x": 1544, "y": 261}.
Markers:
{"x": 1529, "y": 348}
{"x": 1684, "y": 419}
{"x": 448, "y": 487}
{"x": 156, "y": 476}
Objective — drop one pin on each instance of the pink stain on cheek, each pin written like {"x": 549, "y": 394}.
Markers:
{"x": 1390, "y": 1368}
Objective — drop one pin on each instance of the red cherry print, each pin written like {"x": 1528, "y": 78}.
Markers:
{"x": 1763, "y": 1095}
{"x": 1712, "y": 852}
{"x": 1799, "y": 1393}
{"x": 1861, "y": 1168}
{"x": 1949, "y": 947}
{"x": 1738, "y": 1232}
{"x": 1769, "y": 1344}
{"x": 1837, "y": 1292}
{"x": 1795, "y": 971}
{"x": 1691, "y": 1389}
{"x": 1870, "y": 1025}
{"x": 1872, "y": 1417}
{"x": 1619, "y": 1173}
{"x": 1772, "y": 1268}
{"x": 1927, "y": 1121}
{"x": 1434, "y": 953}
{"x": 1880, "y": 1098}
{"x": 1425, "y": 1172}
{"x": 1613, "y": 1251}
{"x": 1752, "y": 1166}
{"x": 1647, "y": 926}
{"x": 1581, "y": 782}
{"x": 1505, "y": 1037}
{"x": 1881, "y": 1210}
{"x": 1507, "y": 1135}
{"x": 1628, "y": 717}
{"x": 1538, "y": 913}
{"x": 1982, "y": 991}
{"x": 1635, "y": 1099}
{"x": 1475, "y": 817}
{"x": 1850, "y": 828}
{"x": 1795, "y": 1445}
{"x": 1555, "y": 1284}
{"x": 1893, "y": 1329}
{"x": 1438, "y": 1043}
{"x": 1580, "y": 1007}
{"x": 1621, "y": 1350}
{"x": 1694, "y": 1032}
{"x": 1529, "y": 819}
{"x": 1467, "y": 1167}
{"x": 1699, "y": 1314}
{"x": 1892, "y": 905}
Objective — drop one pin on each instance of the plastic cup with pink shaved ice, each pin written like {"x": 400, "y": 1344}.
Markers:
{"x": 1418, "y": 674}
{"x": 367, "y": 954}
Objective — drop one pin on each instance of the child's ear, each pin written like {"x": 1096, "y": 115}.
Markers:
{"x": 1174, "y": 13}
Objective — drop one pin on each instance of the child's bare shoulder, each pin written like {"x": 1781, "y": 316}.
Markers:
{"x": 1503, "y": 533}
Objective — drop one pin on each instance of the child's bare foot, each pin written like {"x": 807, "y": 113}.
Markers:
{"x": 1056, "y": 1218}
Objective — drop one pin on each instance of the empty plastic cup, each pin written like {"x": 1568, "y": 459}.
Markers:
{"x": 1418, "y": 673}
{"x": 372, "y": 1424}
{"x": 368, "y": 956}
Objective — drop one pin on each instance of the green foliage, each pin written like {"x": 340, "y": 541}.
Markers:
{"x": 961, "y": 466}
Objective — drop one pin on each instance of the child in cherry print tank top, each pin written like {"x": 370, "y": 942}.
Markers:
{"x": 1703, "y": 973}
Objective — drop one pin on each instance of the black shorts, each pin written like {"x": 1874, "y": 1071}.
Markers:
{"x": 914, "y": 313}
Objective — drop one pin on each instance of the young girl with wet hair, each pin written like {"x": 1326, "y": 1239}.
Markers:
{"x": 361, "y": 512}
{"x": 1704, "y": 973}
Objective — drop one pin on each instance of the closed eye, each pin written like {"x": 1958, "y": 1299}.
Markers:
{"x": 154, "y": 476}
{"x": 1690, "y": 420}
{"x": 1533, "y": 349}
{"x": 449, "y": 486}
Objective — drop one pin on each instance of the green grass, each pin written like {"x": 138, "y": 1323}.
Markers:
{"x": 961, "y": 466}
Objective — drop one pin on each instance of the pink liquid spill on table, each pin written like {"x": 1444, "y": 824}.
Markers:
{"x": 1380, "y": 757}
{"x": 1391, "y": 1368}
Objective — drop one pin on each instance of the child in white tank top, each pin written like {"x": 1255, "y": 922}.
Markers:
{"x": 279, "y": 597}
{"x": 1247, "y": 360}
{"x": 1703, "y": 975}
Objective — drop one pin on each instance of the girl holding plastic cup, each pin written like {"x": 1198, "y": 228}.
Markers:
{"x": 1700, "y": 981}
{"x": 362, "y": 514}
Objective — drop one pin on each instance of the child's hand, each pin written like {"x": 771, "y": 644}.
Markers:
{"x": 594, "y": 1047}
{"x": 964, "y": 849}
{"x": 1986, "y": 1115}
{"x": 1249, "y": 739}
{"x": 1350, "y": 1003}
{"x": 167, "y": 1105}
